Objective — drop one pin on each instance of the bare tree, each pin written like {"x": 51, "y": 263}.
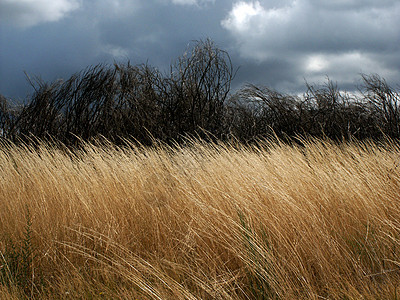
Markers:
{"x": 195, "y": 91}
{"x": 384, "y": 103}
{"x": 124, "y": 101}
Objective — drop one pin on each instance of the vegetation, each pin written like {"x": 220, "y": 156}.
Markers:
{"x": 201, "y": 221}
{"x": 194, "y": 98}
{"x": 104, "y": 192}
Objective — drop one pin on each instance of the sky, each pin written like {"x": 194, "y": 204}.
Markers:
{"x": 280, "y": 44}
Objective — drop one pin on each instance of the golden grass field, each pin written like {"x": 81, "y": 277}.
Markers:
{"x": 201, "y": 221}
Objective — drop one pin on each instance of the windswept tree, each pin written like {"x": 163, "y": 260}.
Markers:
{"x": 322, "y": 111}
{"x": 4, "y": 116}
{"x": 275, "y": 112}
{"x": 113, "y": 102}
{"x": 193, "y": 97}
{"x": 125, "y": 101}
{"x": 331, "y": 112}
{"x": 384, "y": 104}
{"x": 196, "y": 89}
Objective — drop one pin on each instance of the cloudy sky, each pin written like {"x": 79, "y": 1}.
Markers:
{"x": 276, "y": 43}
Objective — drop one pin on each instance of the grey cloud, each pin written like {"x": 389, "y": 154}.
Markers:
{"x": 192, "y": 2}
{"x": 160, "y": 33}
{"x": 29, "y": 13}
{"x": 352, "y": 4}
{"x": 317, "y": 41}
{"x": 101, "y": 10}
{"x": 303, "y": 27}
{"x": 104, "y": 31}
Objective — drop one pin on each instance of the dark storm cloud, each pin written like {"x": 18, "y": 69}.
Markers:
{"x": 104, "y": 31}
{"x": 50, "y": 52}
{"x": 318, "y": 38}
{"x": 277, "y": 42}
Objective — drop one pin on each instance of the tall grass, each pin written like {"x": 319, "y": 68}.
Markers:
{"x": 201, "y": 221}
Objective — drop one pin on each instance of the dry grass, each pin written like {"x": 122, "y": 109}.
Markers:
{"x": 201, "y": 222}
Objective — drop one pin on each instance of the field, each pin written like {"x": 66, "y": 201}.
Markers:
{"x": 201, "y": 221}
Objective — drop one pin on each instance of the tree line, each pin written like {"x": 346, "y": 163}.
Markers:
{"x": 138, "y": 102}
